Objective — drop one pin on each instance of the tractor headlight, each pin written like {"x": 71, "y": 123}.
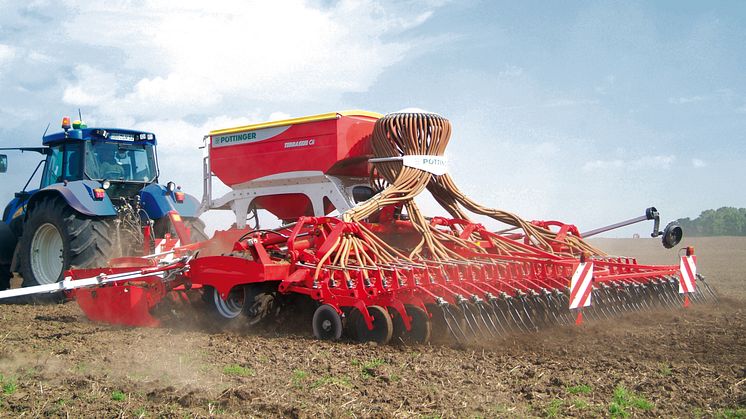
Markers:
{"x": 170, "y": 186}
{"x": 105, "y": 184}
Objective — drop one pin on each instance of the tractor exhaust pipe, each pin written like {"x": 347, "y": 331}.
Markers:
{"x": 672, "y": 234}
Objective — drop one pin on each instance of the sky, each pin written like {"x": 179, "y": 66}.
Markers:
{"x": 584, "y": 112}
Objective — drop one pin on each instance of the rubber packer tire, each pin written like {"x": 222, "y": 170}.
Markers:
{"x": 421, "y": 326}
{"x": 383, "y": 328}
{"x": 327, "y": 323}
{"x": 87, "y": 242}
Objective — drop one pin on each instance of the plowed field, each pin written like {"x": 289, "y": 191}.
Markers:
{"x": 683, "y": 363}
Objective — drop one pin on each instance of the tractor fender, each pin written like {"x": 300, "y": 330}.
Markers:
{"x": 158, "y": 201}
{"x": 79, "y": 196}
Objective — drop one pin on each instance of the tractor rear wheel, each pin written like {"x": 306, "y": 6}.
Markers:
{"x": 5, "y": 276}
{"x": 56, "y": 237}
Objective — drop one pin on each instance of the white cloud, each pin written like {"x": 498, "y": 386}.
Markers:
{"x": 193, "y": 56}
{"x": 278, "y": 116}
{"x": 659, "y": 162}
{"x": 511, "y": 71}
{"x": 556, "y": 103}
{"x": 94, "y": 87}
{"x": 699, "y": 163}
{"x": 684, "y": 100}
{"x": 6, "y": 55}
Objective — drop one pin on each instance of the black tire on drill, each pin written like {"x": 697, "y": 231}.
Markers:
{"x": 86, "y": 242}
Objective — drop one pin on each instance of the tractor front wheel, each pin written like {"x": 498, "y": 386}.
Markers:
{"x": 56, "y": 237}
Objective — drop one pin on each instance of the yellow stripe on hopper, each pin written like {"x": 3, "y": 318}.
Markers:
{"x": 293, "y": 121}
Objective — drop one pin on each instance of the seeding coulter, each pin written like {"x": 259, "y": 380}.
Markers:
{"x": 355, "y": 245}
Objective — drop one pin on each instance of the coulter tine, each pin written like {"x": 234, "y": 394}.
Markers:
{"x": 538, "y": 308}
{"x": 469, "y": 318}
{"x": 524, "y": 307}
{"x": 491, "y": 307}
{"x": 710, "y": 290}
{"x": 515, "y": 313}
{"x": 551, "y": 307}
{"x": 486, "y": 318}
{"x": 453, "y": 324}
{"x": 501, "y": 311}
{"x": 601, "y": 304}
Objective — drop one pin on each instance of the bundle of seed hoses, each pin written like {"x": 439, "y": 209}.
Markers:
{"x": 424, "y": 134}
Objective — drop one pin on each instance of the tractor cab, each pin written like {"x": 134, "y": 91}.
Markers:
{"x": 114, "y": 155}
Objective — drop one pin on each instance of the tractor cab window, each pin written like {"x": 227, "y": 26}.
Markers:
{"x": 121, "y": 161}
{"x": 63, "y": 163}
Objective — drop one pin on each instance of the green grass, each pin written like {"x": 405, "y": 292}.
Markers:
{"x": 368, "y": 368}
{"x": 739, "y": 413}
{"x": 553, "y": 409}
{"x": 140, "y": 412}
{"x": 238, "y": 370}
{"x": 580, "y": 404}
{"x": 623, "y": 400}
{"x": 328, "y": 379}
{"x": 118, "y": 396}
{"x": 8, "y": 384}
{"x": 580, "y": 389}
{"x": 298, "y": 377}
{"x": 664, "y": 370}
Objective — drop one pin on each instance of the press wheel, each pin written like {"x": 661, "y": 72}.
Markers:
{"x": 383, "y": 328}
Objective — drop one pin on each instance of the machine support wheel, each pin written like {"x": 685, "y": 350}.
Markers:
{"x": 249, "y": 304}
{"x": 56, "y": 237}
{"x": 327, "y": 323}
{"x": 383, "y": 327}
{"x": 230, "y": 308}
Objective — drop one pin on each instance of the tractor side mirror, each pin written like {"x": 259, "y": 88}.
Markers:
{"x": 3, "y": 163}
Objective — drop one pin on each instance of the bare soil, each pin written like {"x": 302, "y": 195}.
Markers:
{"x": 684, "y": 363}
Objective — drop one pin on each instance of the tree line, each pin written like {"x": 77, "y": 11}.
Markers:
{"x": 725, "y": 221}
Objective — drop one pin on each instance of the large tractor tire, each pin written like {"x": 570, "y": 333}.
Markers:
{"x": 56, "y": 237}
{"x": 5, "y": 276}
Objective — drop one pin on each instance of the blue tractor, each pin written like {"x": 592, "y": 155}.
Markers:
{"x": 99, "y": 191}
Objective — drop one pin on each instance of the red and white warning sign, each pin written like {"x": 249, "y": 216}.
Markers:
{"x": 688, "y": 268}
{"x": 581, "y": 286}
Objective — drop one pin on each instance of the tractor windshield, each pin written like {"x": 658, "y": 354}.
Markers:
{"x": 119, "y": 161}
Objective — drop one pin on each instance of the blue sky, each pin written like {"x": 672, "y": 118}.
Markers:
{"x": 586, "y": 112}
